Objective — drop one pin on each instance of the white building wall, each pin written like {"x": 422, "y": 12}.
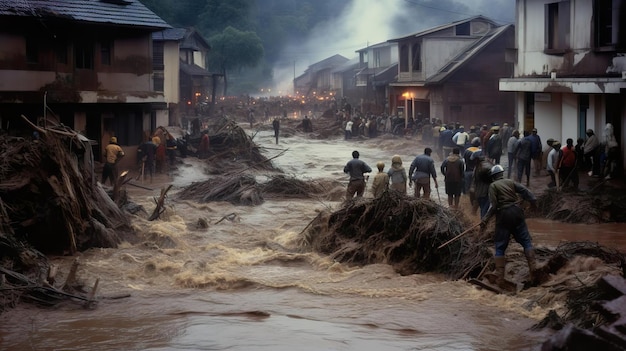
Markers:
{"x": 530, "y": 36}
{"x": 594, "y": 113}
{"x": 569, "y": 118}
{"x": 171, "y": 72}
{"x": 547, "y": 126}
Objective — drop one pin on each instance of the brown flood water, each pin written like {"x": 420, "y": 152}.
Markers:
{"x": 241, "y": 285}
{"x": 550, "y": 233}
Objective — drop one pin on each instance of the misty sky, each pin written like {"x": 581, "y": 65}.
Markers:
{"x": 373, "y": 21}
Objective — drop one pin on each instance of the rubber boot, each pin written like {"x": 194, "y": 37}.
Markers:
{"x": 500, "y": 266}
{"x": 536, "y": 276}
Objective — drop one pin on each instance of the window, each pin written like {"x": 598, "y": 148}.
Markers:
{"x": 609, "y": 28}
{"x": 158, "y": 81}
{"x": 32, "y": 51}
{"x": 363, "y": 57}
{"x": 557, "y": 27}
{"x": 416, "y": 51}
{"x": 106, "y": 52}
{"x": 377, "y": 59}
{"x": 158, "y": 60}
{"x": 462, "y": 29}
{"x": 83, "y": 55}
{"x": 404, "y": 58}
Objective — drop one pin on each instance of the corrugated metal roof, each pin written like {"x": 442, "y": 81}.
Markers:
{"x": 128, "y": 12}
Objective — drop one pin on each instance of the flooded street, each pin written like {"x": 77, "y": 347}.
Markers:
{"x": 244, "y": 283}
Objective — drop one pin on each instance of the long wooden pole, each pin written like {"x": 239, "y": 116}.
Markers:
{"x": 460, "y": 235}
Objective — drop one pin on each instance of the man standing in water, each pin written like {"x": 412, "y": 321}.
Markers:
{"x": 355, "y": 168}
{"x": 276, "y": 126}
{"x": 422, "y": 168}
{"x": 509, "y": 220}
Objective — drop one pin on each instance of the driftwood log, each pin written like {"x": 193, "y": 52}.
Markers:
{"x": 160, "y": 202}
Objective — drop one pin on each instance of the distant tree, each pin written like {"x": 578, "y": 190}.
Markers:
{"x": 216, "y": 15}
{"x": 234, "y": 49}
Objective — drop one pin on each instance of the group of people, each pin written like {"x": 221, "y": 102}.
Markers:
{"x": 472, "y": 173}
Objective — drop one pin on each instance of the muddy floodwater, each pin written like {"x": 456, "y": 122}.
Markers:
{"x": 243, "y": 283}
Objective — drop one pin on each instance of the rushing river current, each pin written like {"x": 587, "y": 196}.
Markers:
{"x": 242, "y": 283}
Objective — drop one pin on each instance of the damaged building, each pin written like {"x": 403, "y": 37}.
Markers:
{"x": 85, "y": 64}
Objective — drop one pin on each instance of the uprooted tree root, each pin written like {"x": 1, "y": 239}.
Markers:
{"x": 584, "y": 207}
{"x": 402, "y": 231}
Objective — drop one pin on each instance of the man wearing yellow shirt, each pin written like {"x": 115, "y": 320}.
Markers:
{"x": 112, "y": 154}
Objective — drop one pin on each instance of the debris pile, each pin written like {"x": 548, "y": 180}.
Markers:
{"x": 238, "y": 190}
{"x": 50, "y": 204}
{"x": 584, "y": 207}
{"x": 602, "y": 328}
{"x": 48, "y": 191}
{"x": 402, "y": 231}
{"x": 245, "y": 190}
{"x": 231, "y": 149}
{"x": 280, "y": 186}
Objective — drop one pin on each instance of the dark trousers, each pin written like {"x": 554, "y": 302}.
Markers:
{"x": 511, "y": 160}
{"x": 109, "y": 171}
{"x": 356, "y": 186}
{"x": 523, "y": 165}
{"x": 510, "y": 220}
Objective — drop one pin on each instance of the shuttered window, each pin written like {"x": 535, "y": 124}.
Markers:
{"x": 557, "y": 27}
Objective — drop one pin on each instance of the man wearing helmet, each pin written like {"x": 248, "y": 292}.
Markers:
{"x": 509, "y": 220}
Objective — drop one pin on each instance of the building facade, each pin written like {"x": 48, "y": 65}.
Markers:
{"x": 451, "y": 72}
{"x": 86, "y": 64}
{"x": 570, "y": 67}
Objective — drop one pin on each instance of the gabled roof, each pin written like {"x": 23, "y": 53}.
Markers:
{"x": 194, "y": 40}
{"x": 468, "y": 53}
{"x": 170, "y": 34}
{"x": 193, "y": 70}
{"x": 333, "y": 61}
{"x": 118, "y": 12}
{"x": 376, "y": 46}
{"x": 352, "y": 64}
{"x": 442, "y": 27}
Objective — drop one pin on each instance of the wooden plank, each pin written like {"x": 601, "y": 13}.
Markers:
{"x": 485, "y": 285}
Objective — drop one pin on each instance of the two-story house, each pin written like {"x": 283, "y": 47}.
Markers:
{"x": 451, "y": 72}
{"x": 180, "y": 64}
{"x": 377, "y": 68}
{"x": 84, "y": 63}
{"x": 570, "y": 69}
{"x": 317, "y": 79}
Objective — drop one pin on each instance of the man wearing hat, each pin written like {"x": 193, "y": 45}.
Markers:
{"x": 494, "y": 145}
{"x": 112, "y": 154}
